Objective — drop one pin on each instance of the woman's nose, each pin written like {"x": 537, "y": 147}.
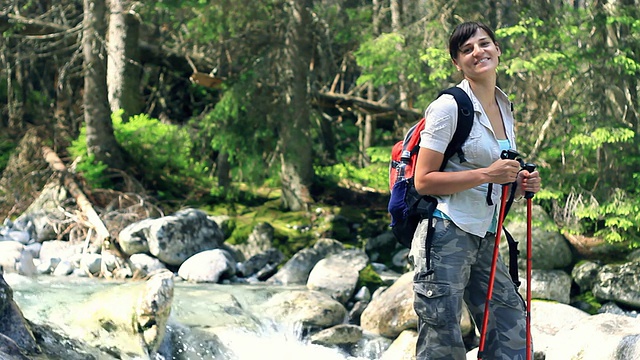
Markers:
{"x": 477, "y": 49}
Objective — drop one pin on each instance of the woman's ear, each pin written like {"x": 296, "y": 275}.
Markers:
{"x": 456, "y": 64}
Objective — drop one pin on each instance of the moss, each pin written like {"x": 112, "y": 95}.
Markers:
{"x": 369, "y": 277}
{"x": 589, "y": 299}
{"x": 238, "y": 233}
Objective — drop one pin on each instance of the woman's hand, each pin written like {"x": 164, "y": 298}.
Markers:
{"x": 503, "y": 171}
{"x": 528, "y": 182}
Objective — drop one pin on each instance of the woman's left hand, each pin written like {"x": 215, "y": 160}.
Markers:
{"x": 528, "y": 181}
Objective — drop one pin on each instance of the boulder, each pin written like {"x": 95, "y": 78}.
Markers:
{"x": 174, "y": 238}
{"x": 598, "y": 337}
{"x": 337, "y": 275}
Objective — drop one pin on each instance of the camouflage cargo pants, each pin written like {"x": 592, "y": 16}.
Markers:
{"x": 461, "y": 266}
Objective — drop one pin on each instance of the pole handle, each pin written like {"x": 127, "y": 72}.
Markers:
{"x": 509, "y": 154}
{"x": 530, "y": 168}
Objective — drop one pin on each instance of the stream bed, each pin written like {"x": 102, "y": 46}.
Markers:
{"x": 210, "y": 321}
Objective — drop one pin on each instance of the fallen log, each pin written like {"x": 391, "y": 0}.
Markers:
{"x": 102, "y": 233}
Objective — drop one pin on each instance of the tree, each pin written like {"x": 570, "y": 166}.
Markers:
{"x": 123, "y": 64}
{"x": 101, "y": 141}
{"x": 296, "y": 160}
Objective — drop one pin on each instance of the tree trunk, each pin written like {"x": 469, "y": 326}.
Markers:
{"x": 123, "y": 63}
{"x": 369, "y": 122}
{"x": 223, "y": 168}
{"x": 101, "y": 141}
{"x": 397, "y": 26}
{"x": 296, "y": 160}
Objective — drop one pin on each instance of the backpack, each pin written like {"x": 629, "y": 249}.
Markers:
{"x": 406, "y": 206}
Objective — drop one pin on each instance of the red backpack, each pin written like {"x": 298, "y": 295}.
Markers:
{"x": 406, "y": 206}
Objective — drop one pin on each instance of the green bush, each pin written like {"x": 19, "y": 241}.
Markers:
{"x": 161, "y": 152}
{"x": 375, "y": 176}
{"x": 6, "y": 148}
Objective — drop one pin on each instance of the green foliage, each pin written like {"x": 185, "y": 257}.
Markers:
{"x": 439, "y": 61}
{"x": 375, "y": 176}
{"x": 162, "y": 152}
{"x": 382, "y": 59}
{"x": 379, "y": 154}
{"x": 237, "y": 128}
{"x": 596, "y": 139}
{"x": 616, "y": 220}
{"x": 6, "y": 148}
{"x": 628, "y": 64}
{"x": 94, "y": 172}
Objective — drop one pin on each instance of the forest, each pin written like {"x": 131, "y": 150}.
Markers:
{"x": 204, "y": 101}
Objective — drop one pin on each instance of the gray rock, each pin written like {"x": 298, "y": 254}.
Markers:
{"x": 58, "y": 249}
{"x": 550, "y": 250}
{"x": 152, "y": 310}
{"x": 64, "y": 268}
{"x": 548, "y": 285}
{"x": 311, "y": 309}
{"x": 208, "y": 266}
{"x": 585, "y": 274}
{"x": 337, "y": 274}
{"x": 391, "y": 312}
{"x": 174, "y": 238}
{"x": 257, "y": 262}
{"x": 619, "y": 283}
{"x": 144, "y": 264}
{"x": 339, "y": 335}
{"x": 259, "y": 241}
{"x": 13, "y": 258}
{"x": 12, "y": 323}
{"x": 133, "y": 238}
{"x": 598, "y": 337}
{"x": 91, "y": 263}
{"x": 9, "y": 350}
{"x": 371, "y": 346}
{"x": 296, "y": 270}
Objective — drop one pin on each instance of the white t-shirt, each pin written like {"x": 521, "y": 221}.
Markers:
{"x": 468, "y": 209}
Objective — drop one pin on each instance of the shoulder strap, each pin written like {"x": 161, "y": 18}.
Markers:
{"x": 465, "y": 122}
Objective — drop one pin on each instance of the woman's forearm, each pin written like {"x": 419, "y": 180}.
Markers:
{"x": 447, "y": 183}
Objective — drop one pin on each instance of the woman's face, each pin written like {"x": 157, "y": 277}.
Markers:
{"x": 478, "y": 55}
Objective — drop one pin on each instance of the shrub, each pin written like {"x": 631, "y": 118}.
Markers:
{"x": 161, "y": 152}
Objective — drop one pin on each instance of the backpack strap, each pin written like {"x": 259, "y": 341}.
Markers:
{"x": 463, "y": 128}
{"x": 465, "y": 122}
{"x": 513, "y": 257}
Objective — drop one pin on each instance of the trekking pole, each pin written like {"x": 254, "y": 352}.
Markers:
{"x": 529, "y": 195}
{"x": 506, "y": 154}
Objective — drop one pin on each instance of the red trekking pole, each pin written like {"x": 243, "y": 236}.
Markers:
{"x": 507, "y": 154}
{"x": 529, "y": 195}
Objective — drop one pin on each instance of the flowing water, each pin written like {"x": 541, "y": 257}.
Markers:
{"x": 208, "y": 321}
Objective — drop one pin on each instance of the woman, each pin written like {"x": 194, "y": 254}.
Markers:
{"x": 466, "y": 216}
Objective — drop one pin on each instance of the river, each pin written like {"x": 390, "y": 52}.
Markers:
{"x": 197, "y": 312}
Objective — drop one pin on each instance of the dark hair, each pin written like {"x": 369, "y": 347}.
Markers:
{"x": 463, "y": 32}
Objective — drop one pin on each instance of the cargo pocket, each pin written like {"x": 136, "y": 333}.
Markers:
{"x": 432, "y": 303}
{"x": 507, "y": 295}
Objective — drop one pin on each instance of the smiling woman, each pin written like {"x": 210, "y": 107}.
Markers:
{"x": 454, "y": 266}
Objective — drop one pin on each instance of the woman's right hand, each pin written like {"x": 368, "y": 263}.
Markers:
{"x": 503, "y": 171}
